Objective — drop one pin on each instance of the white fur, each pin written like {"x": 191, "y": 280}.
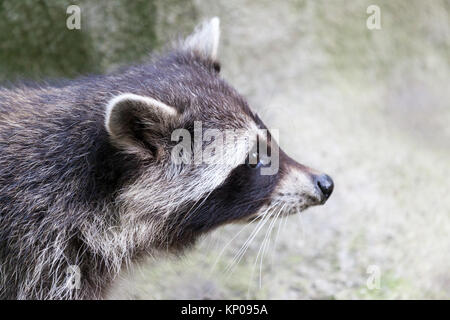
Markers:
{"x": 152, "y": 103}
{"x": 205, "y": 39}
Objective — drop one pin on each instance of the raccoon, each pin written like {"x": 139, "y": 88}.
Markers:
{"x": 88, "y": 184}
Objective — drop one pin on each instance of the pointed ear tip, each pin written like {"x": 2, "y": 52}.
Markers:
{"x": 205, "y": 38}
{"x": 210, "y": 27}
{"x": 214, "y": 25}
{"x": 215, "y": 22}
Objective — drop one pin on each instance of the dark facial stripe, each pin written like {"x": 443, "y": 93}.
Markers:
{"x": 242, "y": 194}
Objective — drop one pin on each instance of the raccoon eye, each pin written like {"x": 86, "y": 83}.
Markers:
{"x": 252, "y": 160}
{"x": 255, "y": 160}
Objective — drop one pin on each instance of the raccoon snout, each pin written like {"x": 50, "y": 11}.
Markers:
{"x": 325, "y": 185}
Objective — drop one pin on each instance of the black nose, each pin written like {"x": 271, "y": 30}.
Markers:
{"x": 325, "y": 185}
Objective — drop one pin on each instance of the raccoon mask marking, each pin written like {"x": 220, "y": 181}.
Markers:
{"x": 87, "y": 176}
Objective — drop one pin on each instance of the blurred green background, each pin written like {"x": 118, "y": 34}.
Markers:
{"x": 370, "y": 107}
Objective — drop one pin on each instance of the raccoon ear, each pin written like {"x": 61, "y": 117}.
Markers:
{"x": 205, "y": 39}
{"x": 138, "y": 123}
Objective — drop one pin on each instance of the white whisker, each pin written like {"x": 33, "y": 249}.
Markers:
{"x": 237, "y": 258}
{"x": 259, "y": 252}
{"x": 278, "y": 232}
{"x": 229, "y": 242}
{"x": 266, "y": 243}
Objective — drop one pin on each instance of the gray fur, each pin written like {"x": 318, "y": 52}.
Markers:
{"x": 74, "y": 194}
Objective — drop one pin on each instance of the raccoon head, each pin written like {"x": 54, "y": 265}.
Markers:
{"x": 206, "y": 158}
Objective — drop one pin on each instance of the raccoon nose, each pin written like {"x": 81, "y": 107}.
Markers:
{"x": 325, "y": 184}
